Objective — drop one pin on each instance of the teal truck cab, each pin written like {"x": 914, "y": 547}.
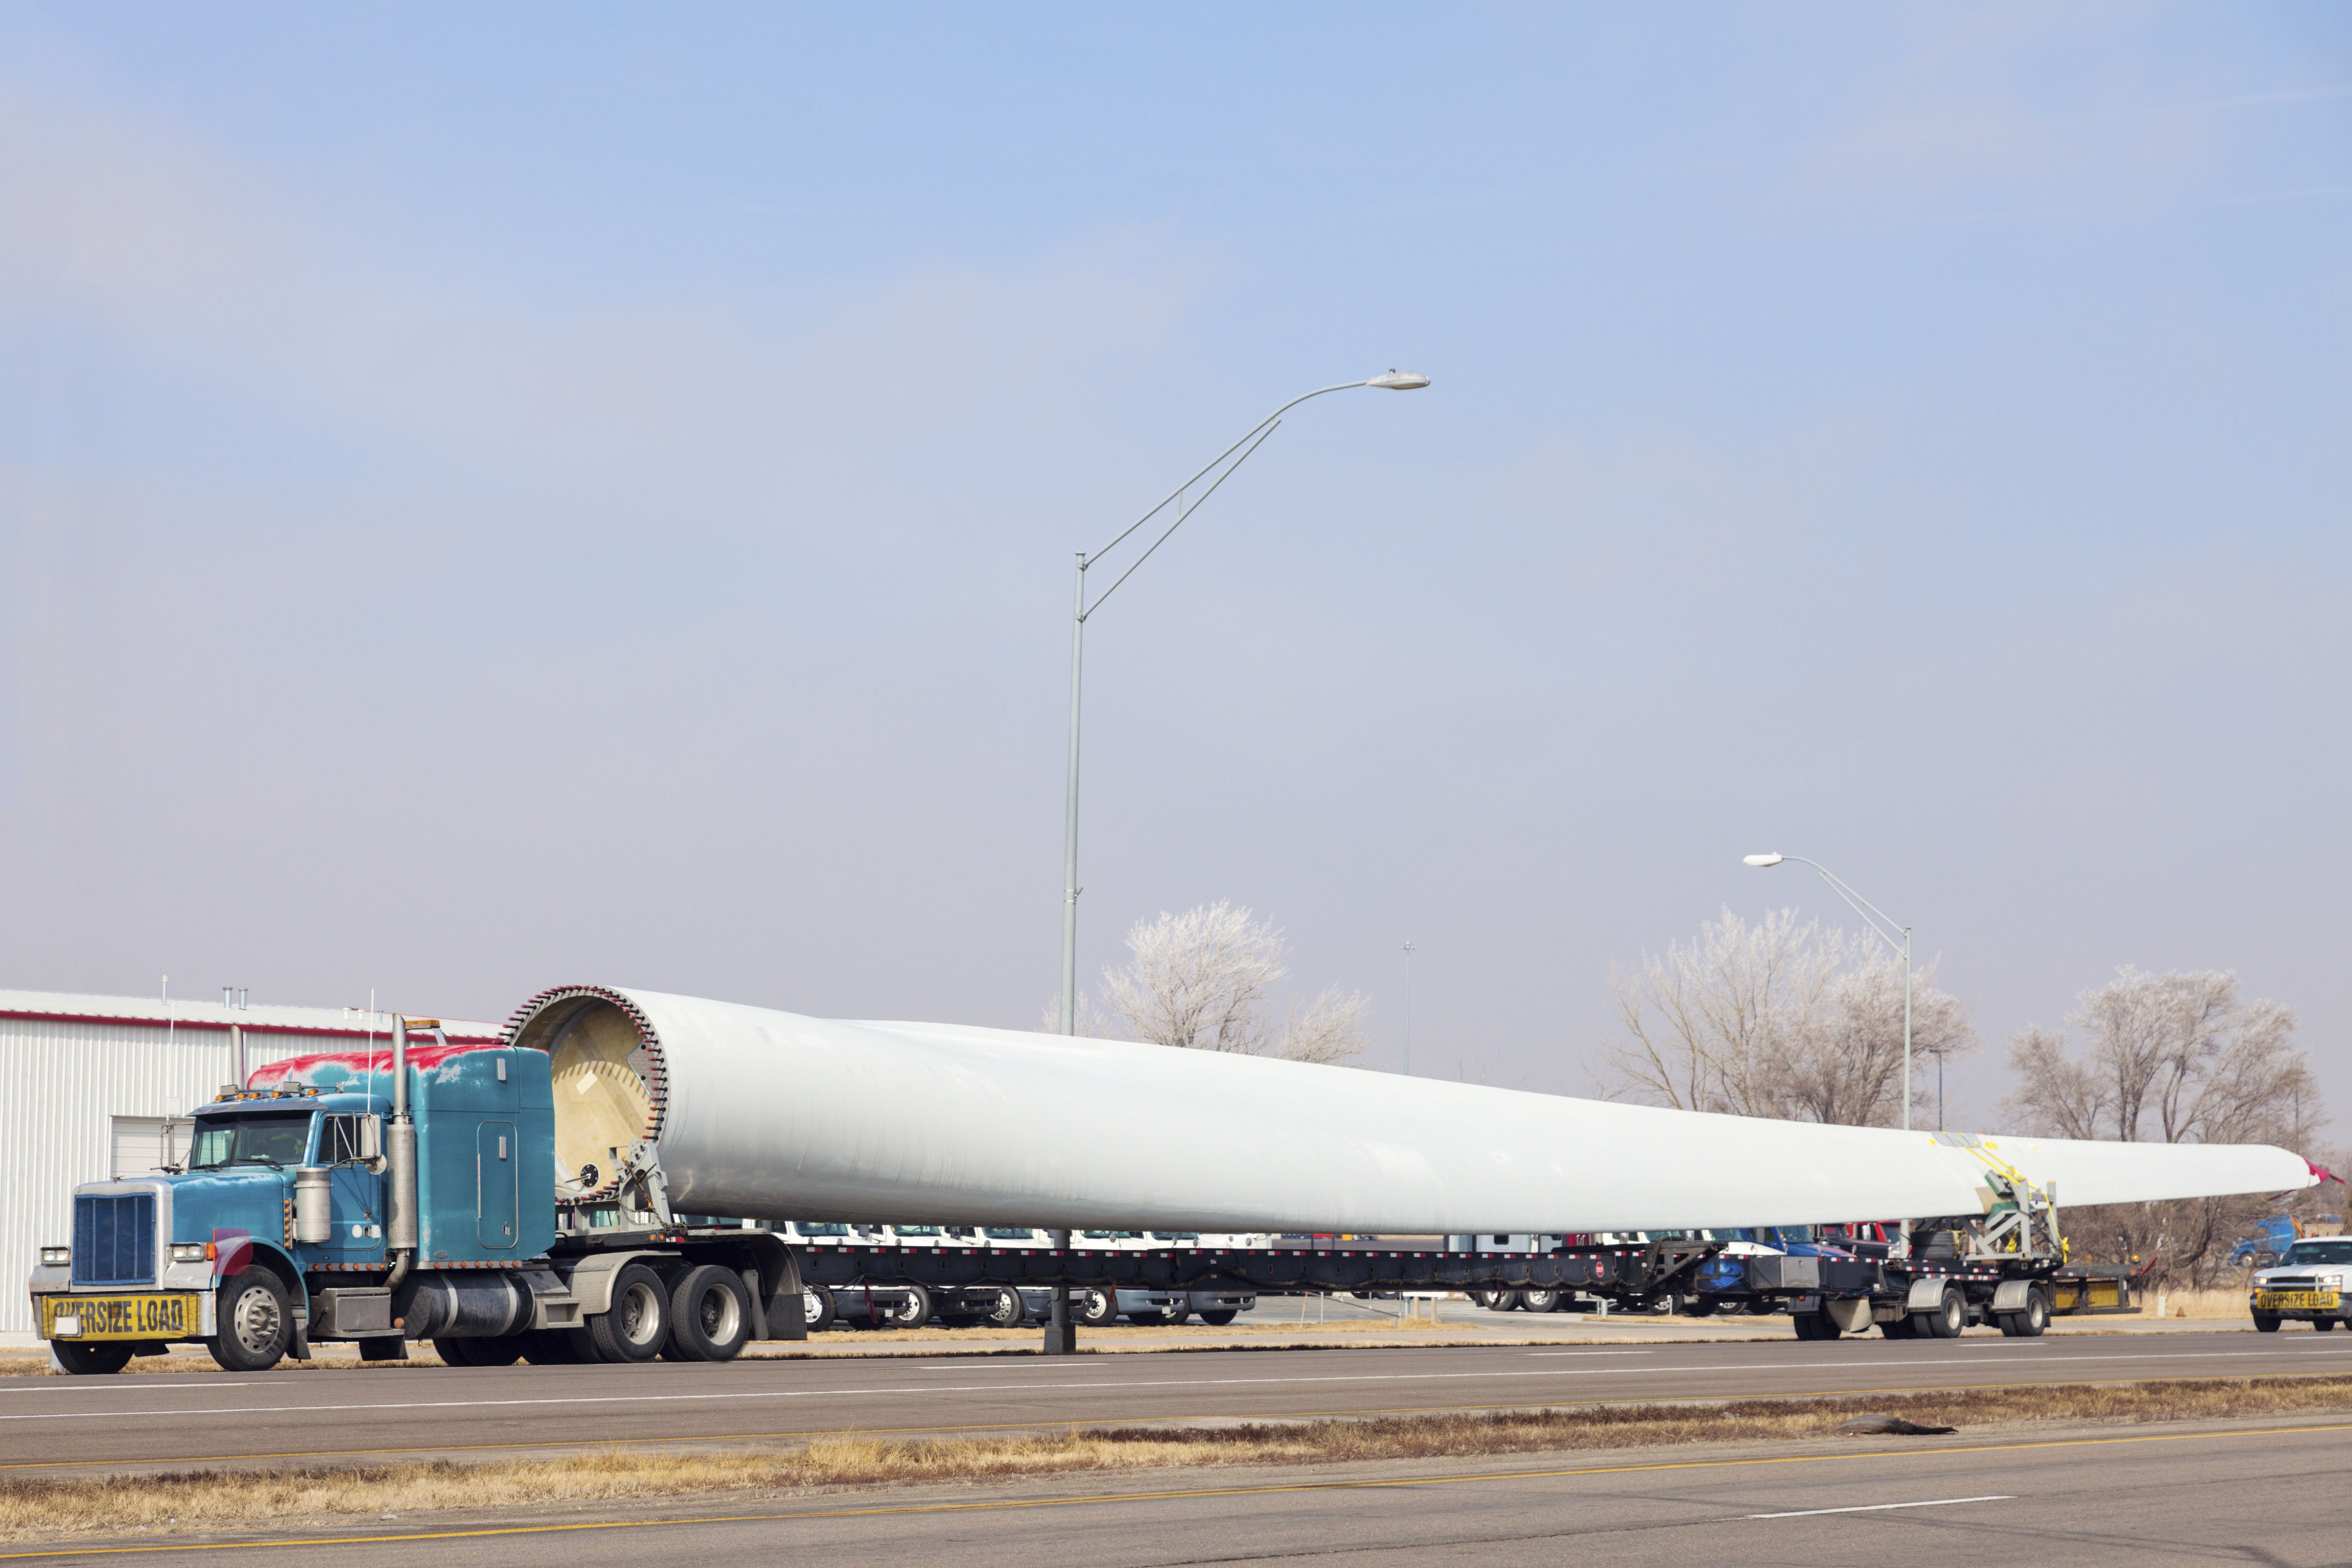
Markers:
{"x": 384, "y": 1198}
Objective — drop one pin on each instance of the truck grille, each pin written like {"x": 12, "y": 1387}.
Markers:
{"x": 2290, "y": 1282}
{"x": 114, "y": 1238}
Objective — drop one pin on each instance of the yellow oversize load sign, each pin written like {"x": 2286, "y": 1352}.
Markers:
{"x": 154, "y": 1316}
{"x": 2298, "y": 1301}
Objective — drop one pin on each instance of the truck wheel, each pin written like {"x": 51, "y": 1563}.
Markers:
{"x": 2266, "y": 1323}
{"x": 549, "y": 1347}
{"x": 1949, "y": 1316}
{"x": 710, "y": 1314}
{"x": 473, "y": 1352}
{"x": 1817, "y": 1326}
{"x": 2036, "y": 1316}
{"x": 636, "y": 1325}
{"x": 1008, "y": 1311}
{"x": 911, "y": 1313}
{"x": 92, "y": 1360}
{"x": 817, "y": 1307}
{"x": 1100, "y": 1308}
{"x": 256, "y": 1323}
{"x": 2321, "y": 1325}
{"x": 1702, "y": 1306}
{"x": 1503, "y": 1302}
{"x": 1900, "y": 1328}
{"x": 1219, "y": 1317}
{"x": 1540, "y": 1301}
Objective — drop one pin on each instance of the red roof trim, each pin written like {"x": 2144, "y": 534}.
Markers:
{"x": 384, "y": 1035}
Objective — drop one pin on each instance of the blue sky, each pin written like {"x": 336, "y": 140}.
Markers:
{"x": 488, "y": 500}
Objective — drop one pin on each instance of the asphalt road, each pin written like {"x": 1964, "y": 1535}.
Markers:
{"x": 2242, "y": 1491}
{"x": 55, "y": 1426}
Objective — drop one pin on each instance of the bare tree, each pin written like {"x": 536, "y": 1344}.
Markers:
{"x": 2172, "y": 1058}
{"x": 1776, "y": 1019}
{"x": 1200, "y": 981}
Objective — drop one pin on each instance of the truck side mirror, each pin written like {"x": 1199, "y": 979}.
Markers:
{"x": 372, "y": 1142}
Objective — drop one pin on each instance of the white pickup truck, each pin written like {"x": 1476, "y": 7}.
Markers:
{"x": 2312, "y": 1284}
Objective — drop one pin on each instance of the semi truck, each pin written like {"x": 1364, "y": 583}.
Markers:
{"x": 515, "y": 1201}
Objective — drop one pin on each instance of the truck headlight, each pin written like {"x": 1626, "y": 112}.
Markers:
{"x": 56, "y": 1256}
{"x": 188, "y": 1251}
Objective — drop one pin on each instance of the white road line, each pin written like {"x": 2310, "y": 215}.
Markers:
{"x": 1882, "y": 1506}
{"x": 926, "y": 1389}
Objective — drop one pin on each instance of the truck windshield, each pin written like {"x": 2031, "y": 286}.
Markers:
{"x": 273, "y": 1138}
{"x": 2334, "y": 1250}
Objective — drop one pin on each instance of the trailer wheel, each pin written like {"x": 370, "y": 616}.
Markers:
{"x": 1948, "y": 1317}
{"x": 1503, "y": 1302}
{"x": 636, "y": 1325}
{"x": 1217, "y": 1318}
{"x": 470, "y": 1351}
{"x": 1900, "y": 1328}
{"x": 95, "y": 1359}
{"x": 256, "y": 1323}
{"x": 1540, "y": 1301}
{"x": 1101, "y": 1307}
{"x": 817, "y": 1307}
{"x": 1702, "y": 1306}
{"x": 1010, "y": 1310}
{"x": 2266, "y": 1323}
{"x": 709, "y": 1315}
{"x": 912, "y": 1312}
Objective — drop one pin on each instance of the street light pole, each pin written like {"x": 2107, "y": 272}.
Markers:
{"x": 1081, "y": 612}
{"x": 1408, "y": 951}
{"x": 1884, "y": 925}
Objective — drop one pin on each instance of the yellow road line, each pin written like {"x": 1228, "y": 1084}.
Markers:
{"x": 1093, "y": 1423}
{"x": 999, "y": 1505}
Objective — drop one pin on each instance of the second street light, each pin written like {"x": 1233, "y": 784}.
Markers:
{"x": 1222, "y": 465}
{"x": 1884, "y": 925}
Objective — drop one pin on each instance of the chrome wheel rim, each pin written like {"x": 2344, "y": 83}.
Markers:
{"x": 256, "y": 1322}
{"x": 640, "y": 1315}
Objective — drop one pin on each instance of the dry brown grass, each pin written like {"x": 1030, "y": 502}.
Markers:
{"x": 207, "y": 1499}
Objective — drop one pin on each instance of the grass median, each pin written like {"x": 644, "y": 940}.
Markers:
{"x": 305, "y": 1496}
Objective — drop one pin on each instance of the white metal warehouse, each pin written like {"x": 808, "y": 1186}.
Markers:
{"x": 97, "y": 1087}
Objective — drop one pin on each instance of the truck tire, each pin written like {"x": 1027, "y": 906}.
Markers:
{"x": 256, "y": 1325}
{"x": 473, "y": 1352}
{"x": 2036, "y": 1318}
{"x": 911, "y": 1313}
{"x": 2321, "y": 1325}
{"x": 636, "y": 1325}
{"x": 549, "y": 1347}
{"x": 1010, "y": 1312}
{"x": 1900, "y": 1328}
{"x": 1503, "y": 1302}
{"x": 1949, "y": 1316}
{"x": 1218, "y": 1317}
{"x": 817, "y": 1307}
{"x": 1702, "y": 1306}
{"x": 1098, "y": 1307}
{"x": 1817, "y": 1326}
{"x": 709, "y": 1315}
{"x": 96, "y": 1359}
{"x": 1540, "y": 1301}
{"x": 2266, "y": 1323}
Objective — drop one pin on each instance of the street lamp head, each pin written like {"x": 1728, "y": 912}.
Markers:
{"x": 1401, "y": 381}
{"x": 1763, "y": 860}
